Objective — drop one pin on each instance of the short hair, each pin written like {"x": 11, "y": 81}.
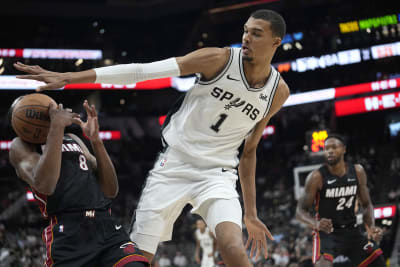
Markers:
{"x": 339, "y": 137}
{"x": 11, "y": 109}
{"x": 278, "y": 24}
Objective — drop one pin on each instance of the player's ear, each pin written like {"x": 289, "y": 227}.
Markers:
{"x": 277, "y": 42}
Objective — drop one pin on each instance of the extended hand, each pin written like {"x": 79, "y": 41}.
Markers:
{"x": 257, "y": 236}
{"x": 325, "y": 225}
{"x": 53, "y": 80}
{"x": 91, "y": 127}
{"x": 62, "y": 117}
{"x": 375, "y": 233}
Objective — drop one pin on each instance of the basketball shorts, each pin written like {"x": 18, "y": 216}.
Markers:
{"x": 348, "y": 242}
{"x": 89, "y": 238}
{"x": 173, "y": 183}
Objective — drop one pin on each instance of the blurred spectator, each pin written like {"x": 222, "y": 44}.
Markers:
{"x": 180, "y": 259}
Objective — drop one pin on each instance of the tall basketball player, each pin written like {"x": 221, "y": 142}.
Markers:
{"x": 206, "y": 241}
{"x": 237, "y": 93}
{"x": 333, "y": 189}
{"x": 74, "y": 190}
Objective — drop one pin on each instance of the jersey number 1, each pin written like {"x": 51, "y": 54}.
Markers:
{"x": 216, "y": 126}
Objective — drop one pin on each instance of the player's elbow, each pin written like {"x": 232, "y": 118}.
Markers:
{"x": 111, "y": 192}
{"x": 43, "y": 187}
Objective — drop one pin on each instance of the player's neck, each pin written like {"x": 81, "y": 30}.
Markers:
{"x": 257, "y": 73}
{"x": 339, "y": 169}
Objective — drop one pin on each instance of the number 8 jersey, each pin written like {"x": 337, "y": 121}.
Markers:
{"x": 77, "y": 188}
{"x": 211, "y": 121}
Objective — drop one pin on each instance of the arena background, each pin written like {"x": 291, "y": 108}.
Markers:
{"x": 340, "y": 59}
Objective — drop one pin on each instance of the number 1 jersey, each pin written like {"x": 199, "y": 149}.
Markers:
{"x": 210, "y": 122}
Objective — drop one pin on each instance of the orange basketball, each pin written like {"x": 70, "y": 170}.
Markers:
{"x": 30, "y": 118}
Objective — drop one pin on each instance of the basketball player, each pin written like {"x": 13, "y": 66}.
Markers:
{"x": 74, "y": 190}
{"x": 204, "y": 239}
{"x": 333, "y": 189}
{"x": 237, "y": 93}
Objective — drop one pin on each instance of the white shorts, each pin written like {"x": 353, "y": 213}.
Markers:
{"x": 173, "y": 183}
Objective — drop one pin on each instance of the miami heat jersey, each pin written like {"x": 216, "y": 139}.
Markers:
{"x": 77, "y": 188}
{"x": 214, "y": 117}
{"x": 205, "y": 240}
{"x": 337, "y": 197}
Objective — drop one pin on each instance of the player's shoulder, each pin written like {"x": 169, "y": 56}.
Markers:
{"x": 315, "y": 177}
{"x": 19, "y": 150}
{"x": 316, "y": 174}
{"x": 220, "y": 54}
{"x": 283, "y": 86}
{"x": 19, "y": 145}
{"x": 358, "y": 167}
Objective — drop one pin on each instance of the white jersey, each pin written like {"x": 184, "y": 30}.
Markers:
{"x": 214, "y": 117}
{"x": 205, "y": 240}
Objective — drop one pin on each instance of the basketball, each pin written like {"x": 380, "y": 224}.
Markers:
{"x": 30, "y": 118}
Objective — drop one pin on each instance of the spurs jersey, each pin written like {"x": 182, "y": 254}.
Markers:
{"x": 77, "y": 188}
{"x": 337, "y": 197}
{"x": 205, "y": 240}
{"x": 211, "y": 121}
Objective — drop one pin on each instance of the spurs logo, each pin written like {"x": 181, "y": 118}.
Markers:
{"x": 263, "y": 97}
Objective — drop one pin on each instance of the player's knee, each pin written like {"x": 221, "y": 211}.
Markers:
{"x": 235, "y": 247}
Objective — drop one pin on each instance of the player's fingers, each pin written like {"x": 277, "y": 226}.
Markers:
{"x": 94, "y": 111}
{"x": 248, "y": 242}
{"x": 258, "y": 250}
{"x": 77, "y": 121}
{"x": 264, "y": 247}
{"x": 24, "y": 68}
{"x": 52, "y": 105}
{"x": 268, "y": 233}
{"x": 87, "y": 108}
{"x": 28, "y": 77}
{"x": 60, "y": 106}
{"x": 253, "y": 248}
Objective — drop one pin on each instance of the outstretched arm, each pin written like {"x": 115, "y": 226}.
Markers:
{"x": 247, "y": 172}
{"x": 206, "y": 61}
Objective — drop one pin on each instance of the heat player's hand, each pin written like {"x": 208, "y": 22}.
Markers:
{"x": 53, "y": 80}
{"x": 91, "y": 127}
{"x": 258, "y": 234}
{"x": 324, "y": 225}
{"x": 62, "y": 117}
{"x": 374, "y": 233}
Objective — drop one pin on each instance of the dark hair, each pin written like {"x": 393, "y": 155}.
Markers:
{"x": 339, "y": 137}
{"x": 11, "y": 109}
{"x": 278, "y": 25}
